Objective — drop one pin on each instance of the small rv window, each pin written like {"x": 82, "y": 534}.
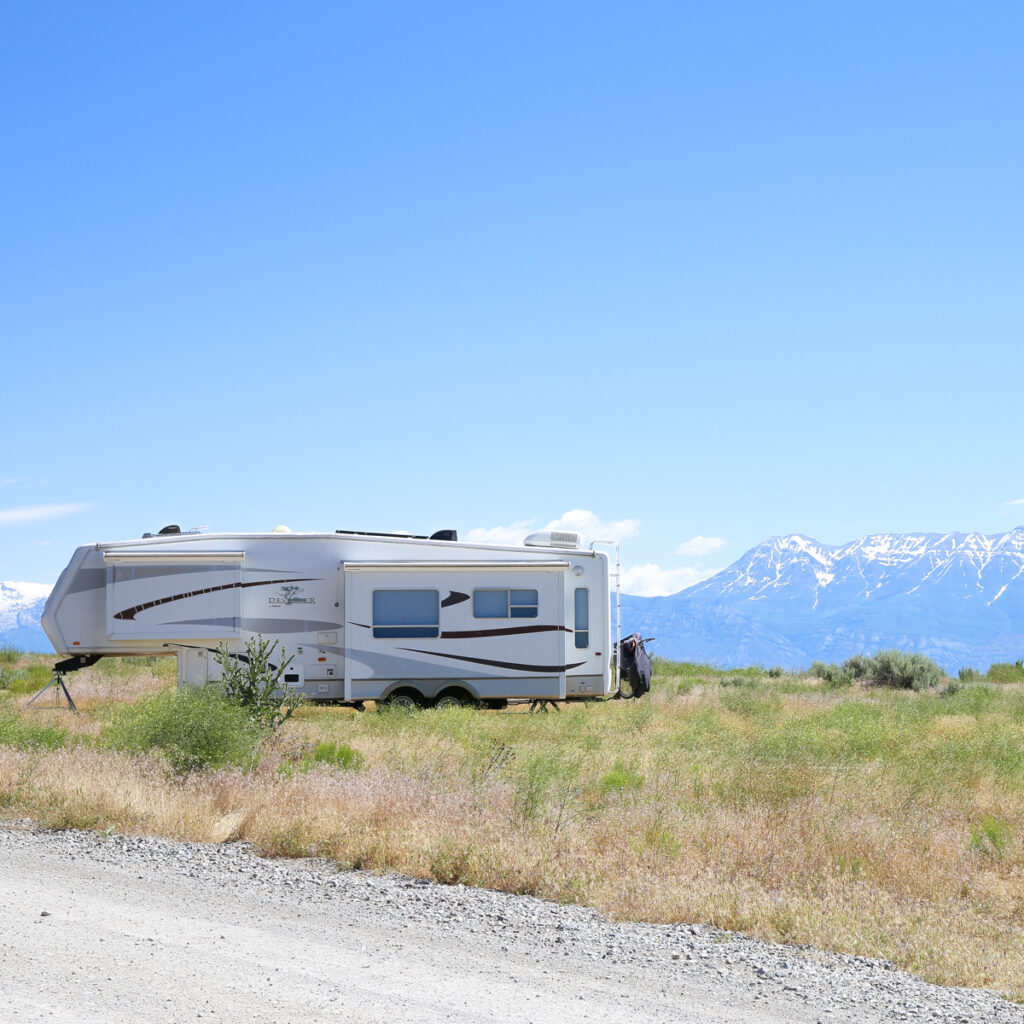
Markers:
{"x": 582, "y": 617}
{"x": 406, "y": 613}
{"x": 505, "y": 604}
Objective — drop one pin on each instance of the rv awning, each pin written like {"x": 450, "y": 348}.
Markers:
{"x": 173, "y": 558}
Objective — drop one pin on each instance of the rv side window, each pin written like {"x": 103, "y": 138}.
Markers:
{"x": 582, "y": 617}
{"x": 406, "y": 613}
{"x": 505, "y": 604}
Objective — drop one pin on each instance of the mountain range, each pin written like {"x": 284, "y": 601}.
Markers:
{"x": 21, "y": 608}
{"x": 956, "y": 597}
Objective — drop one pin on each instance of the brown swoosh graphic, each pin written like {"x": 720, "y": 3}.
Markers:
{"x": 129, "y": 613}
{"x": 496, "y": 664}
{"x": 461, "y": 634}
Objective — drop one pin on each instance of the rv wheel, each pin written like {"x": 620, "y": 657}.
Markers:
{"x": 453, "y": 699}
{"x": 405, "y": 700}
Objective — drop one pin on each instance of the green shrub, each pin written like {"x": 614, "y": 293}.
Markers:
{"x": 886, "y": 668}
{"x": 1006, "y": 672}
{"x": 968, "y": 675}
{"x": 194, "y": 729}
{"x": 860, "y": 666}
{"x": 775, "y": 672}
{"x": 16, "y": 732}
{"x": 253, "y": 683}
{"x": 24, "y": 680}
{"x": 906, "y": 671}
{"x": 32, "y": 679}
{"x": 8, "y": 654}
{"x": 831, "y": 675}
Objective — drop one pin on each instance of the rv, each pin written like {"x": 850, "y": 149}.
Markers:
{"x": 424, "y": 621}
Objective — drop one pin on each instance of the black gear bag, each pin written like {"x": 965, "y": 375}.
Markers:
{"x": 634, "y": 666}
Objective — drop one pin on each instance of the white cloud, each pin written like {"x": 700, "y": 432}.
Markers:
{"x": 576, "y": 520}
{"x": 35, "y": 513}
{"x": 590, "y": 528}
{"x": 1016, "y": 501}
{"x": 701, "y": 545}
{"x": 653, "y": 581}
{"x": 506, "y": 535}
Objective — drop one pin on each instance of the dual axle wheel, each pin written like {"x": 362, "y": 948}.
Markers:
{"x": 408, "y": 700}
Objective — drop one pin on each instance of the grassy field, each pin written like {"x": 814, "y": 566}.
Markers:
{"x": 863, "y": 820}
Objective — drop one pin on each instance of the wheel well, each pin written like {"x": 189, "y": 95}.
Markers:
{"x": 407, "y": 691}
{"x": 461, "y": 692}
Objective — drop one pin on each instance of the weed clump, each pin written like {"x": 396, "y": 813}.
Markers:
{"x": 991, "y": 836}
{"x": 14, "y": 732}
{"x": 623, "y": 778}
{"x": 254, "y": 683}
{"x": 193, "y": 729}
{"x": 338, "y": 755}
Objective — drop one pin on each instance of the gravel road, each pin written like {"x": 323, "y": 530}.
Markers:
{"x": 96, "y": 928}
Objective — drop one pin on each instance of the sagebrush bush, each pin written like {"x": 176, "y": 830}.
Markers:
{"x": 194, "y": 729}
{"x": 859, "y": 666}
{"x": 831, "y": 675}
{"x": 906, "y": 671}
{"x": 1006, "y": 672}
{"x": 898, "y": 669}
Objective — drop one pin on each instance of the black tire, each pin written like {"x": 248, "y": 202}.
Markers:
{"x": 405, "y": 700}
{"x": 453, "y": 698}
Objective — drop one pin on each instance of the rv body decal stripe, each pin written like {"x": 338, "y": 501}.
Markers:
{"x": 454, "y": 597}
{"x": 497, "y": 664}
{"x": 468, "y": 634}
{"x": 128, "y": 614}
{"x": 462, "y": 634}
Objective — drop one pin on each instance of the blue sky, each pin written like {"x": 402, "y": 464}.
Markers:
{"x": 696, "y": 274}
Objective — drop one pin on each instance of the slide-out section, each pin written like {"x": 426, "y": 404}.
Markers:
{"x": 496, "y": 629}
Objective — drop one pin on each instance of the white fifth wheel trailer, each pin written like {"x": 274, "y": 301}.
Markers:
{"x": 365, "y": 616}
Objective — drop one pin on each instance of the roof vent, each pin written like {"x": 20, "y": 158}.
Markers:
{"x": 553, "y": 539}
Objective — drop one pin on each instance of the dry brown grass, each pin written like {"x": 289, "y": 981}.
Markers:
{"x": 873, "y": 823}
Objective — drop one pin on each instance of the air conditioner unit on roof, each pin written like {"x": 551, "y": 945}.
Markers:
{"x": 553, "y": 539}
